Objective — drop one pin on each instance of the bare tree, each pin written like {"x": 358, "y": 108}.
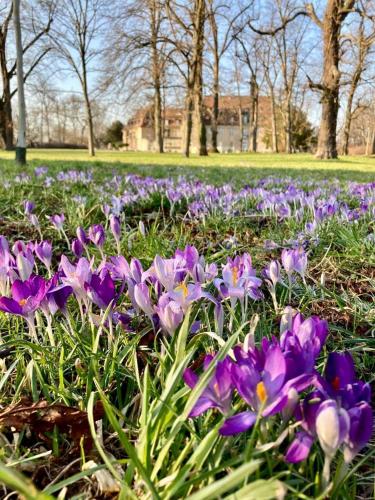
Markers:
{"x": 361, "y": 44}
{"x": 187, "y": 24}
{"x": 36, "y": 25}
{"x": 247, "y": 53}
{"x": 222, "y": 20}
{"x": 137, "y": 52}
{"x": 331, "y": 25}
{"x": 76, "y": 37}
{"x": 268, "y": 61}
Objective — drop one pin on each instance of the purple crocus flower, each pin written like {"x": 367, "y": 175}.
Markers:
{"x": 306, "y": 413}
{"x": 238, "y": 280}
{"x": 332, "y": 427}
{"x": 26, "y": 297}
{"x": 266, "y": 391}
{"x": 81, "y": 235}
{"x": 76, "y": 276}
{"x": 28, "y": 207}
{"x": 273, "y": 272}
{"x": 56, "y": 297}
{"x": 77, "y": 248}
{"x": 360, "y": 432}
{"x": 168, "y": 272}
{"x": 185, "y": 295}
{"x": 57, "y": 221}
{"x": 169, "y": 313}
{"x": 34, "y": 221}
{"x": 43, "y": 251}
{"x": 218, "y": 393}
{"x": 101, "y": 290}
{"x": 302, "y": 343}
{"x": 294, "y": 260}
{"x": 337, "y": 414}
{"x": 341, "y": 383}
{"x": 143, "y": 299}
{"x": 97, "y": 235}
{"x": 115, "y": 226}
{"x": 25, "y": 264}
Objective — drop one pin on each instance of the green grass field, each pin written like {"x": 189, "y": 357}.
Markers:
{"x": 84, "y": 393}
{"x": 215, "y": 168}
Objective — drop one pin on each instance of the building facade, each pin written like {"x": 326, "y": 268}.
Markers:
{"x": 233, "y": 126}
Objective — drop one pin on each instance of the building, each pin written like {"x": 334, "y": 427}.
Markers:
{"x": 233, "y": 126}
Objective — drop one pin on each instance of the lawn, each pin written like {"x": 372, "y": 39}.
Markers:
{"x": 186, "y": 328}
{"x": 214, "y": 168}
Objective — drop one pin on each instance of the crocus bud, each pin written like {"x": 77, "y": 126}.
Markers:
{"x": 43, "y": 251}
{"x": 143, "y": 299}
{"x": 170, "y": 315}
{"x": 34, "y": 220}
{"x": 142, "y": 228}
{"x": 300, "y": 261}
{"x": 28, "y": 207}
{"x": 106, "y": 209}
{"x": 81, "y": 235}
{"x": 115, "y": 227}
{"x": 286, "y": 321}
{"x": 97, "y": 235}
{"x": 77, "y": 248}
{"x": 274, "y": 272}
{"x": 57, "y": 221}
{"x": 332, "y": 427}
{"x": 287, "y": 259}
{"x": 25, "y": 265}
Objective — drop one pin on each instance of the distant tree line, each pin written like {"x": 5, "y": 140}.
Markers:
{"x": 88, "y": 63}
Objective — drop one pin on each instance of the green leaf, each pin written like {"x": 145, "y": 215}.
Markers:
{"x": 260, "y": 490}
{"x": 227, "y": 483}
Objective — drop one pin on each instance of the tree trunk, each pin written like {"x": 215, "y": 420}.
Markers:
{"x": 370, "y": 146}
{"x": 275, "y": 146}
{"x": 215, "y": 110}
{"x": 240, "y": 122}
{"x": 6, "y": 119}
{"x": 253, "y": 115}
{"x": 188, "y": 122}
{"x": 156, "y": 73}
{"x": 90, "y": 123}
{"x": 158, "y": 129}
{"x": 216, "y": 82}
{"x": 21, "y": 139}
{"x": 348, "y": 122}
{"x": 333, "y": 18}
{"x": 288, "y": 125}
{"x": 199, "y": 127}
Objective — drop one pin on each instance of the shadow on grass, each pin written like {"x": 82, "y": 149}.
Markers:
{"x": 240, "y": 173}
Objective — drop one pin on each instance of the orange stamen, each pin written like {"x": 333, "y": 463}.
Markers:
{"x": 182, "y": 286}
{"x": 261, "y": 392}
{"x": 235, "y": 275}
{"x": 336, "y": 383}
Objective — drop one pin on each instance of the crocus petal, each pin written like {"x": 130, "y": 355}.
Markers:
{"x": 361, "y": 426}
{"x": 190, "y": 378}
{"x": 203, "y": 404}
{"x": 10, "y": 306}
{"x": 238, "y": 423}
{"x": 274, "y": 370}
{"x": 300, "y": 448}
